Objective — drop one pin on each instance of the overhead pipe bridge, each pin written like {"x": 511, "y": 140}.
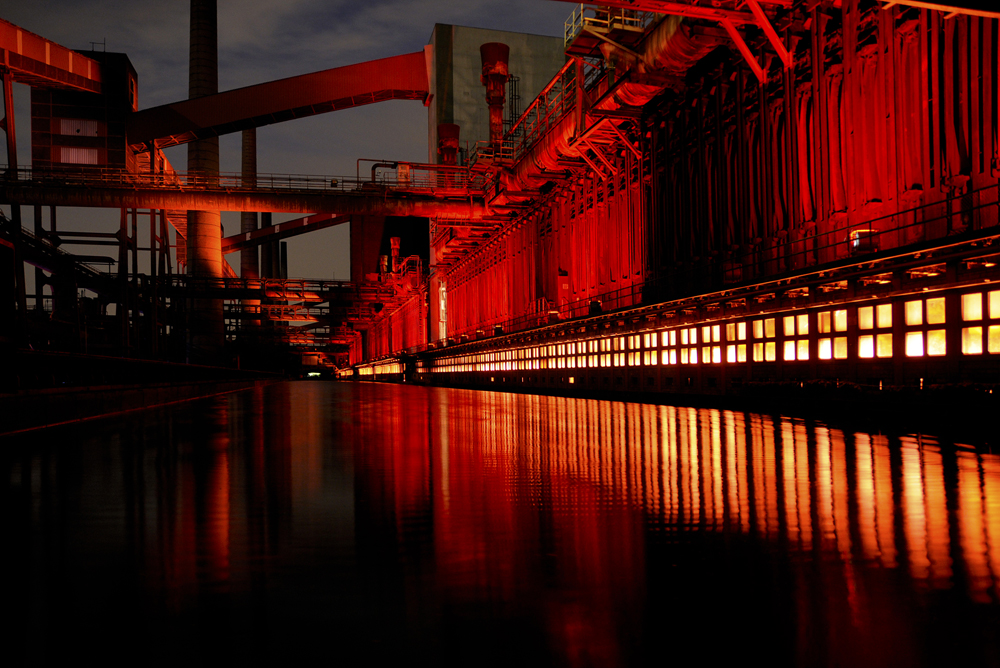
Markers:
{"x": 396, "y": 78}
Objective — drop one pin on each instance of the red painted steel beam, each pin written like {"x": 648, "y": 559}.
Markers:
{"x": 284, "y": 230}
{"x": 396, "y": 78}
{"x": 764, "y": 24}
{"x": 141, "y": 197}
{"x": 39, "y": 62}
{"x": 745, "y": 50}
{"x": 967, "y": 8}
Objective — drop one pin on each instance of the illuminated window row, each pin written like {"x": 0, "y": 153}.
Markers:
{"x": 973, "y": 311}
{"x": 391, "y": 367}
{"x": 681, "y": 345}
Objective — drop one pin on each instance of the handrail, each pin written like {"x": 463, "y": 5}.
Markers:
{"x": 556, "y": 99}
{"x": 927, "y": 222}
{"x": 417, "y": 177}
{"x": 626, "y": 18}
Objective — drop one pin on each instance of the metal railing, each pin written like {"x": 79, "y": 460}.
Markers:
{"x": 559, "y": 96}
{"x": 557, "y": 99}
{"x": 605, "y": 19}
{"x": 978, "y": 209}
{"x": 417, "y": 177}
{"x": 483, "y": 152}
{"x": 281, "y": 288}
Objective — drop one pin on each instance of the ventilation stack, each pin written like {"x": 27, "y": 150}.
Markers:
{"x": 495, "y": 57}
{"x": 204, "y": 229}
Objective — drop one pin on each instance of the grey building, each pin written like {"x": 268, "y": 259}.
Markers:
{"x": 459, "y": 96}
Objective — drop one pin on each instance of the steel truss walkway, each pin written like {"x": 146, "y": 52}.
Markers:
{"x": 421, "y": 190}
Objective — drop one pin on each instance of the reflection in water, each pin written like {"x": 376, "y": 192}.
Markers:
{"x": 488, "y": 528}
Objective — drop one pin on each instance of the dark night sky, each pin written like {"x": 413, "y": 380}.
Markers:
{"x": 262, "y": 40}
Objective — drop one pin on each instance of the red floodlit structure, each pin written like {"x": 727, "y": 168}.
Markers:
{"x": 691, "y": 170}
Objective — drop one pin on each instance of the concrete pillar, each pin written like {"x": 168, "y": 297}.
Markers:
{"x": 204, "y": 231}
{"x": 11, "y": 264}
{"x": 266, "y": 262}
{"x": 249, "y": 265}
{"x": 8, "y": 121}
{"x": 39, "y": 274}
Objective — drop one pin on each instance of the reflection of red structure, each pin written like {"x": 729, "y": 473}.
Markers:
{"x": 746, "y": 141}
{"x": 561, "y": 498}
{"x": 608, "y": 531}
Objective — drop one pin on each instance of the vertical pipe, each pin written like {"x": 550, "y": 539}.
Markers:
{"x": 121, "y": 307}
{"x": 8, "y": 107}
{"x": 495, "y": 56}
{"x": 249, "y": 266}
{"x": 249, "y": 263}
{"x": 20, "y": 297}
{"x": 204, "y": 230}
{"x": 153, "y": 304}
{"x": 134, "y": 244}
{"x": 39, "y": 275}
{"x": 133, "y": 285}
{"x": 266, "y": 261}
{"x": 276, "y": 259}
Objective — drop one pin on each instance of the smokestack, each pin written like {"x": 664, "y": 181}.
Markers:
{"x": 495, "y": 56}
{"x": 204, "y": 230}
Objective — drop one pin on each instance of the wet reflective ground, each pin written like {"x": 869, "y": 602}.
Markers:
{"x": 363, "y": 524}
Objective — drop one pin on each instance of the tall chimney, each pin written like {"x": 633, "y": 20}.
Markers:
{"x": 495, "y": 74}
{"x": 204, "y": 229}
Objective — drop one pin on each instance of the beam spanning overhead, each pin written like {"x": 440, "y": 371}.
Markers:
{"x": 145, "y": 197}
{"x": 39, "y": 62}
{"x": 396, "y": 78}
{"x": 772, "y": 36}
{"x": 744, "y": 50}
{"x": 284, "y": 230}
{"x": 949, "y": 7}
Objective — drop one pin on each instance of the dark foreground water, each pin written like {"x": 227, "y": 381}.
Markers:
{"x": 360, "y": 524}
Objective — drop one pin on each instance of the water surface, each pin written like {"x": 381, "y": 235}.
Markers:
{"x": 368, "y": 524}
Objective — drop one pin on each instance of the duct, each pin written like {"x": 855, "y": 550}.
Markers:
{"x": 669, "y": 50}
{"x": 545, "y": 156}
{"x": 387, "y": 165}
{"x": 213, "y": 114}
{"x": 373, "y": 201}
